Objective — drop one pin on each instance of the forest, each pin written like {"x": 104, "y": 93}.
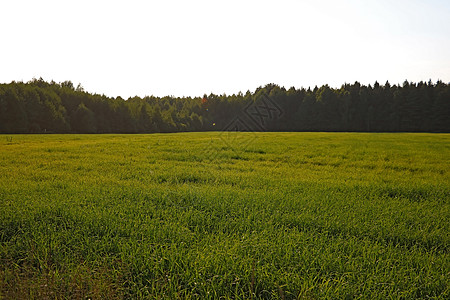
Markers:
{"x": 38, "y": 106}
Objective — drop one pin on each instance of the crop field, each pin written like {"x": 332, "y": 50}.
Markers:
{"x": 225, "y": 215}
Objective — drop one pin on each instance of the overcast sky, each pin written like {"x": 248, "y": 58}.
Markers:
{"x": 189, "y": 48}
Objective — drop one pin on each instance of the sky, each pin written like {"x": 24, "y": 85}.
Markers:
{"x": 190, "y": 48}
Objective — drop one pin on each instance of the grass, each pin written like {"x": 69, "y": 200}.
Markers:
{"x": 230, "y": 216}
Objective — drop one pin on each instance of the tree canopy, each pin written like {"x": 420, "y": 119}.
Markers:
{"x": 38, "y": 106}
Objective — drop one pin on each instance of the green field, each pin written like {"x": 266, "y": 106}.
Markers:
{"x": 225, "y": 215}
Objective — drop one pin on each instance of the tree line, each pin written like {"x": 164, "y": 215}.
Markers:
{"x": 38, "y": 106}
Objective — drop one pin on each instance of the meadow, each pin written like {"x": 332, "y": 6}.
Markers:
{"x": 225, "y": 215}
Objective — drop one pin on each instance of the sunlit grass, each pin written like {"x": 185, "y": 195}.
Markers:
{"x": 208, "y": 215}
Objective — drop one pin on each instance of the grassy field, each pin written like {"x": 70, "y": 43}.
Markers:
{"x": 240, "y": 215}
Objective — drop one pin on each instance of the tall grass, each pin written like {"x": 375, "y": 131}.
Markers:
{"x": 203, "y": 215}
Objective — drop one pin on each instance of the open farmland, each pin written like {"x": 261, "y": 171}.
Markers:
{"x": 230, "y": 215}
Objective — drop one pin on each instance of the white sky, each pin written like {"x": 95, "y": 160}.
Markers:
{"x": 189, "y": 48}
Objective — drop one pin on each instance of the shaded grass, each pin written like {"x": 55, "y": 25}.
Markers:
{"x": 290, "y": 215}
